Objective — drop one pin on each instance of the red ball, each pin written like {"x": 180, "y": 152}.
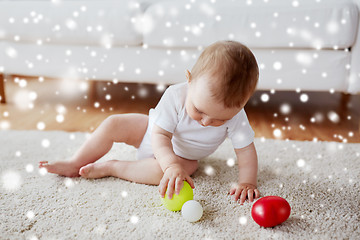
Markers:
{"x": 270, "y": 211}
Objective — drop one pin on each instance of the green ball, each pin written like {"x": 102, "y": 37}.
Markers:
{"x": 177, "y": 201}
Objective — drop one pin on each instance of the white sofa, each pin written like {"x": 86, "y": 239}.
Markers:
{"x": 311, "y": 45}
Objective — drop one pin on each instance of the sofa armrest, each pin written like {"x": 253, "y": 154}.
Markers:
{"x": 354, "y": 78}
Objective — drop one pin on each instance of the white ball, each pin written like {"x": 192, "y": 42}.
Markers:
{"x": 192, "y": 211}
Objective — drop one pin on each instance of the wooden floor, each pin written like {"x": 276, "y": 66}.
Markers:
{"x": 53, "y": 104}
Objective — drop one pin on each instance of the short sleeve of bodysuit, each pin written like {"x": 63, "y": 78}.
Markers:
{"x": 240, "y": 131}
{"x": 166, "y": 111}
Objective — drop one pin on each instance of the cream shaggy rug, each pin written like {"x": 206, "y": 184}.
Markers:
{"x": 320, "y": 180}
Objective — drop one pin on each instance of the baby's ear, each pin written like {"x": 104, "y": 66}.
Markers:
{"x": 188, "y": 75}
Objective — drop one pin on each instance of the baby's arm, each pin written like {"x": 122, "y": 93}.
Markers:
{"x": 171, "y": 165}
{"x": 248, "y": 167}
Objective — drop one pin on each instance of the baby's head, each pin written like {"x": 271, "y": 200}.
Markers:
{"x": 221, "y": 82}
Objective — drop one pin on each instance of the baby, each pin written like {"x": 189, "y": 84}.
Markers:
{"x": 191, "y": 120}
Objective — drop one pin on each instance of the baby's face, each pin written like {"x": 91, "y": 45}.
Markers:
{"x": 202, "y": 108}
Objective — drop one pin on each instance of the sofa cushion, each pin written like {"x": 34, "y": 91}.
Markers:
{"x": 107, "y": 23}
{"x": 261, "y": 24}
{"x": 279, "y": 69}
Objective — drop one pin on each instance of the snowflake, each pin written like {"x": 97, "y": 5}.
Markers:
{"x": 69, "y": 183}
{"x": 230, "y": 162}
{"x": 71, "y": 24}
{"x": 143, "y": 24}
{"x": 24, "y": 99}
{"x": 30, "y": 215}
{"x": 277, "y": 133}
{"x": 29, "y": 168}
{"x": 265, "y": 97}
{"x": 60, "y": 118}
{"x": 11, "y": 180}
{"x": 243, "y": 220}
{"x": 134, "y": 219}
{"x": 43, "y": 171}
{"x": 96, "y": 104}
{"x": 161, "y": 73}
{"x": 333, "y": 117}
{"x": 304, "y": 97}
{"x": 295, "y": 3}
{"x": 160, "y": 87}
{"x": 285, "y": 108}
{"x": 124, "y": 194}
{"x": 304, "y": 59}
{"x": 33, "y": 237}
{"x": 209, "y": 170}
{"x": 143, "y": 92}
{"x": 40, "y": 125}
{"x": 319, "y": 117}
{"x": 4, "y": 124}
{"x": 332, "y": 27}
{"x": 138, "y": 71}
{"x": 300, "y": 163}
{"x": 277, "y": 65}
{"x": 45, "y": 143}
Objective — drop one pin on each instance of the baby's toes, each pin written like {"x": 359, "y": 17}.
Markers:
{"x": 232, "y": 191}
{"x": 51, "y": 168}
{"x": 43, "y": 164}
{"x": 85, "y": 170}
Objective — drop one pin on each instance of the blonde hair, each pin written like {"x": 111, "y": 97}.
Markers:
{"x": 234, "y": 69}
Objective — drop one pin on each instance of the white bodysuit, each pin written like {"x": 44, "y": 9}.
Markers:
{"x": 191, "y": 140}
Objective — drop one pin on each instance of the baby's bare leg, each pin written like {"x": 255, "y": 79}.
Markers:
{"x": 127, "y": 128}
{"x": 147, "y": 171}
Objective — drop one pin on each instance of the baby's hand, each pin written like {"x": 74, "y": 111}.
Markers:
{"x": 243, "y": 190}
{"x": 173, "y": 178}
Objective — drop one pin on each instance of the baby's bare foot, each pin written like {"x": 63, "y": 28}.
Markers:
{"x": 96, "y": 170}
{"x": 67, "y": 169}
